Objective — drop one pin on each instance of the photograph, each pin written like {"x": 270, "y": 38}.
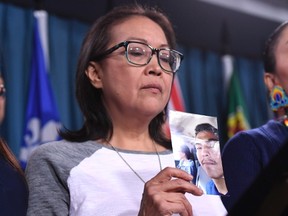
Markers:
{"x": 196, "y": 149}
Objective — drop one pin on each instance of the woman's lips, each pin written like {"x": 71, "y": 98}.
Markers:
{"x": 153, "y": 87}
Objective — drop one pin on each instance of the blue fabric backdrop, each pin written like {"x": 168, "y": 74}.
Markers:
{"x": 200, "y": 75}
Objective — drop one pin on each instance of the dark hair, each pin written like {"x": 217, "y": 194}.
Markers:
{"x": 97, "y": 123}
{"x": 206, "y": 127}
{"x": 7, "y": 154}
{"x": 185, "y": 149}
{"x": 269, "y": 59}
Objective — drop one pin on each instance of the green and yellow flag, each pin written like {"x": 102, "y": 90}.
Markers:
{"x": 237, "y": 113}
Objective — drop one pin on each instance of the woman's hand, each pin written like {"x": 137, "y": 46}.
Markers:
{"x": 164, "y": 194}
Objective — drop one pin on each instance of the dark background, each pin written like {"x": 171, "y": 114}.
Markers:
{"x": 198, "y": 24}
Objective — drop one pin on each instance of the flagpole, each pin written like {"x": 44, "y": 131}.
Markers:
{"x": 42, "y": 18}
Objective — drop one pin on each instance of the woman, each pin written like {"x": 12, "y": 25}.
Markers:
{"x": 13, "y": 187}
{"x": 123, "y": 83}
{"x": 187, "y": 161}
{"x": 249, "y": 152}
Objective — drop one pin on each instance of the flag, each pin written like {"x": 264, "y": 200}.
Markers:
{"x": 237, "y": 112}
{"x": 42, "y": 118}
{"x": 176, "y": 101}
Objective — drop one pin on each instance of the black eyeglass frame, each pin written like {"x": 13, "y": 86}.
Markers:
{"x": 154, "y": 50}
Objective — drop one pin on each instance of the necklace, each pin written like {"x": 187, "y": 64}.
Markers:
{"x": 116, "y": 150}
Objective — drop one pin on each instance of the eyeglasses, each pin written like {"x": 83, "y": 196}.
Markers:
{"x": 140, "y": 54}
{"x": 2, "y": 90}
{"x": 200, "y": 144}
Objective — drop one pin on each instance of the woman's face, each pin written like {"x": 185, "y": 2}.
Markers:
{"x": 129, "y": 90}
{"x": 281, "y": 56}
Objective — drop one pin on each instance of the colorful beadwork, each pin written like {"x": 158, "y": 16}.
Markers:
{"x": 278, "y": 98}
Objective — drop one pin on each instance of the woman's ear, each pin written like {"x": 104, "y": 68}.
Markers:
{"x": 269, "y": 80}
{"x": 94, "y": 73}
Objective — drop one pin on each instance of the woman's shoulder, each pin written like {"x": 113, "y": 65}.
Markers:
{"x": 261, "y": 132}
{"x": 243, "y": 141}
{"x": 272, "y": 131}
{"x": 13, "y": 189}
{"x": 257, "y": 138}
{"x": 64, "y": 149}
{"x": 60, "y": 155}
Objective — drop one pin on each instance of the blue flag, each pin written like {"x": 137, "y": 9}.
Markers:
{"x": 42, "y": 118}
